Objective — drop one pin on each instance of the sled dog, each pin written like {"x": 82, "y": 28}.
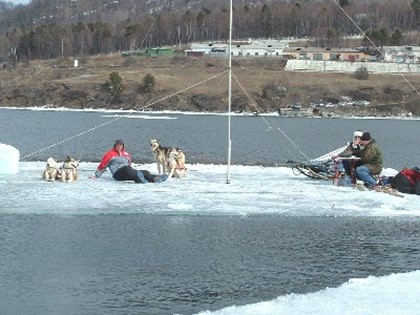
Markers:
{"x": 169, "y": 160}
{"x": 52, "y": 170}
{"x": 69, "y": 170}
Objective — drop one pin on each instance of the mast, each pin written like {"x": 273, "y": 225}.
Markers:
{"x": 229, "y": 93}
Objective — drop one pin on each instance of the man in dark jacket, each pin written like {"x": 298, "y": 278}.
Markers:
{"x": 370, "y": 161}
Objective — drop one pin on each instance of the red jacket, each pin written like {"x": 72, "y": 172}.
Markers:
{"x": 114, "y": 160}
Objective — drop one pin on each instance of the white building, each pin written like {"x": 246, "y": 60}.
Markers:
{"x": 261, "y": 48}
{"x": 401, "y": 54}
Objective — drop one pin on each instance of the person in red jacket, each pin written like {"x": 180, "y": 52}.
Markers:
{"x": 118, "y": 161}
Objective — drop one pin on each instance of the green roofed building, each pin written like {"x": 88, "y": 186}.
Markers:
{"x": 150, "y": 52}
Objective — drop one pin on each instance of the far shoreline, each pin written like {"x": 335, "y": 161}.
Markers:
{"x": 129, "y": 112}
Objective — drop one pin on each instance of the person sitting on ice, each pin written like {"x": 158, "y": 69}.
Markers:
{"x": 119, "y": 163}
{"x": 370, "y": 161}
{"x": 353, "y": 149}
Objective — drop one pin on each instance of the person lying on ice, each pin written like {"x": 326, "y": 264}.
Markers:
{"x": 118, "y": 161}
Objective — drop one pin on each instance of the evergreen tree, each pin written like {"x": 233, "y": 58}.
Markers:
{"x": 379, "y": 37}
{"x": 344, "y": 3}
{"x": 115, "y": 86}
{"x": 148, "y": 84}
{"x": 416, "y": 9}
{"x": 396, "y": 38}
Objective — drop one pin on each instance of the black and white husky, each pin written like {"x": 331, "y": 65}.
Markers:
{"x": 169, "y": 160}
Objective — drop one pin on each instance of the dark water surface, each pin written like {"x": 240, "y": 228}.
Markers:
{"x": 164, "y": 264}
{"x": 147, "y": 264}
{"x": 255, "y": 140}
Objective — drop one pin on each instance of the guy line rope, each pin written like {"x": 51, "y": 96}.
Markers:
{"x": 119, "y": 117}
{"x": 373, "y": 44}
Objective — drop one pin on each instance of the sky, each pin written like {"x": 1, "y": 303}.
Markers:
{"x": 252, "y": 190}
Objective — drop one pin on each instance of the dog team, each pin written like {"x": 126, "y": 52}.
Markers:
{"x": 170, "y": 163}
{"x": 67, "y": 172}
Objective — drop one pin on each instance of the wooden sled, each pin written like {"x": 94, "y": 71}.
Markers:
{"x": 383, "y": 189}
{"x": 390, "y": 190}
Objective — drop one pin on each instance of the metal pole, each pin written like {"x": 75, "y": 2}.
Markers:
{"x": 229, "y": 93}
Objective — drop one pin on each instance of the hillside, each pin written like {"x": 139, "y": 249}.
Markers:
{"x": 56, "y": 83}
{"x": 50, "y": 29}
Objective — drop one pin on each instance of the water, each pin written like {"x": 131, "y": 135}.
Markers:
{"x": 119, "y": 259}
{"x": 255, "y": 140}
{"x": 147, "y": 264}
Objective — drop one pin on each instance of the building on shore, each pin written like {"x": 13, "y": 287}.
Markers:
{"x": 249, "y": 48}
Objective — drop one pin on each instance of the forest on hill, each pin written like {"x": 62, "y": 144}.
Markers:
{"x": 49, "y": 29}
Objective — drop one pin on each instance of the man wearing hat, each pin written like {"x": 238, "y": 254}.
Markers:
{"x": 370, "y": 161}
{"x": 119, "y": 163}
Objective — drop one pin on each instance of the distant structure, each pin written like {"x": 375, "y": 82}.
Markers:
{"x": 150, "y": 52}
{"x": 401, "y": 54}
{"x": 329, "y": 54}
{"x": 249, "y": 48}
{"x": 281, "y": 49}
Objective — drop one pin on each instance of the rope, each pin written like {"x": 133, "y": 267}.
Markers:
{"x": 373, "y": 44}
{"x": 253, "y": 103}
{"x": 256, "y": 106}
{"x": 182, "y": 90}
{"x": 120, "y": 117}
{"x": 259, "y": 109}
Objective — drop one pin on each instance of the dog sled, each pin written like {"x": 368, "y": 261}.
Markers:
{"x": 327, "y": 168}
{"x": 323, "y": 167}
{"x": 323, "y": 171}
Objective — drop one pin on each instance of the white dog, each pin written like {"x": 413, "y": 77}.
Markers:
{"x": 169, "y": 160}
{"x": 52, "y": 170}
{"x": 69, "y": 170}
